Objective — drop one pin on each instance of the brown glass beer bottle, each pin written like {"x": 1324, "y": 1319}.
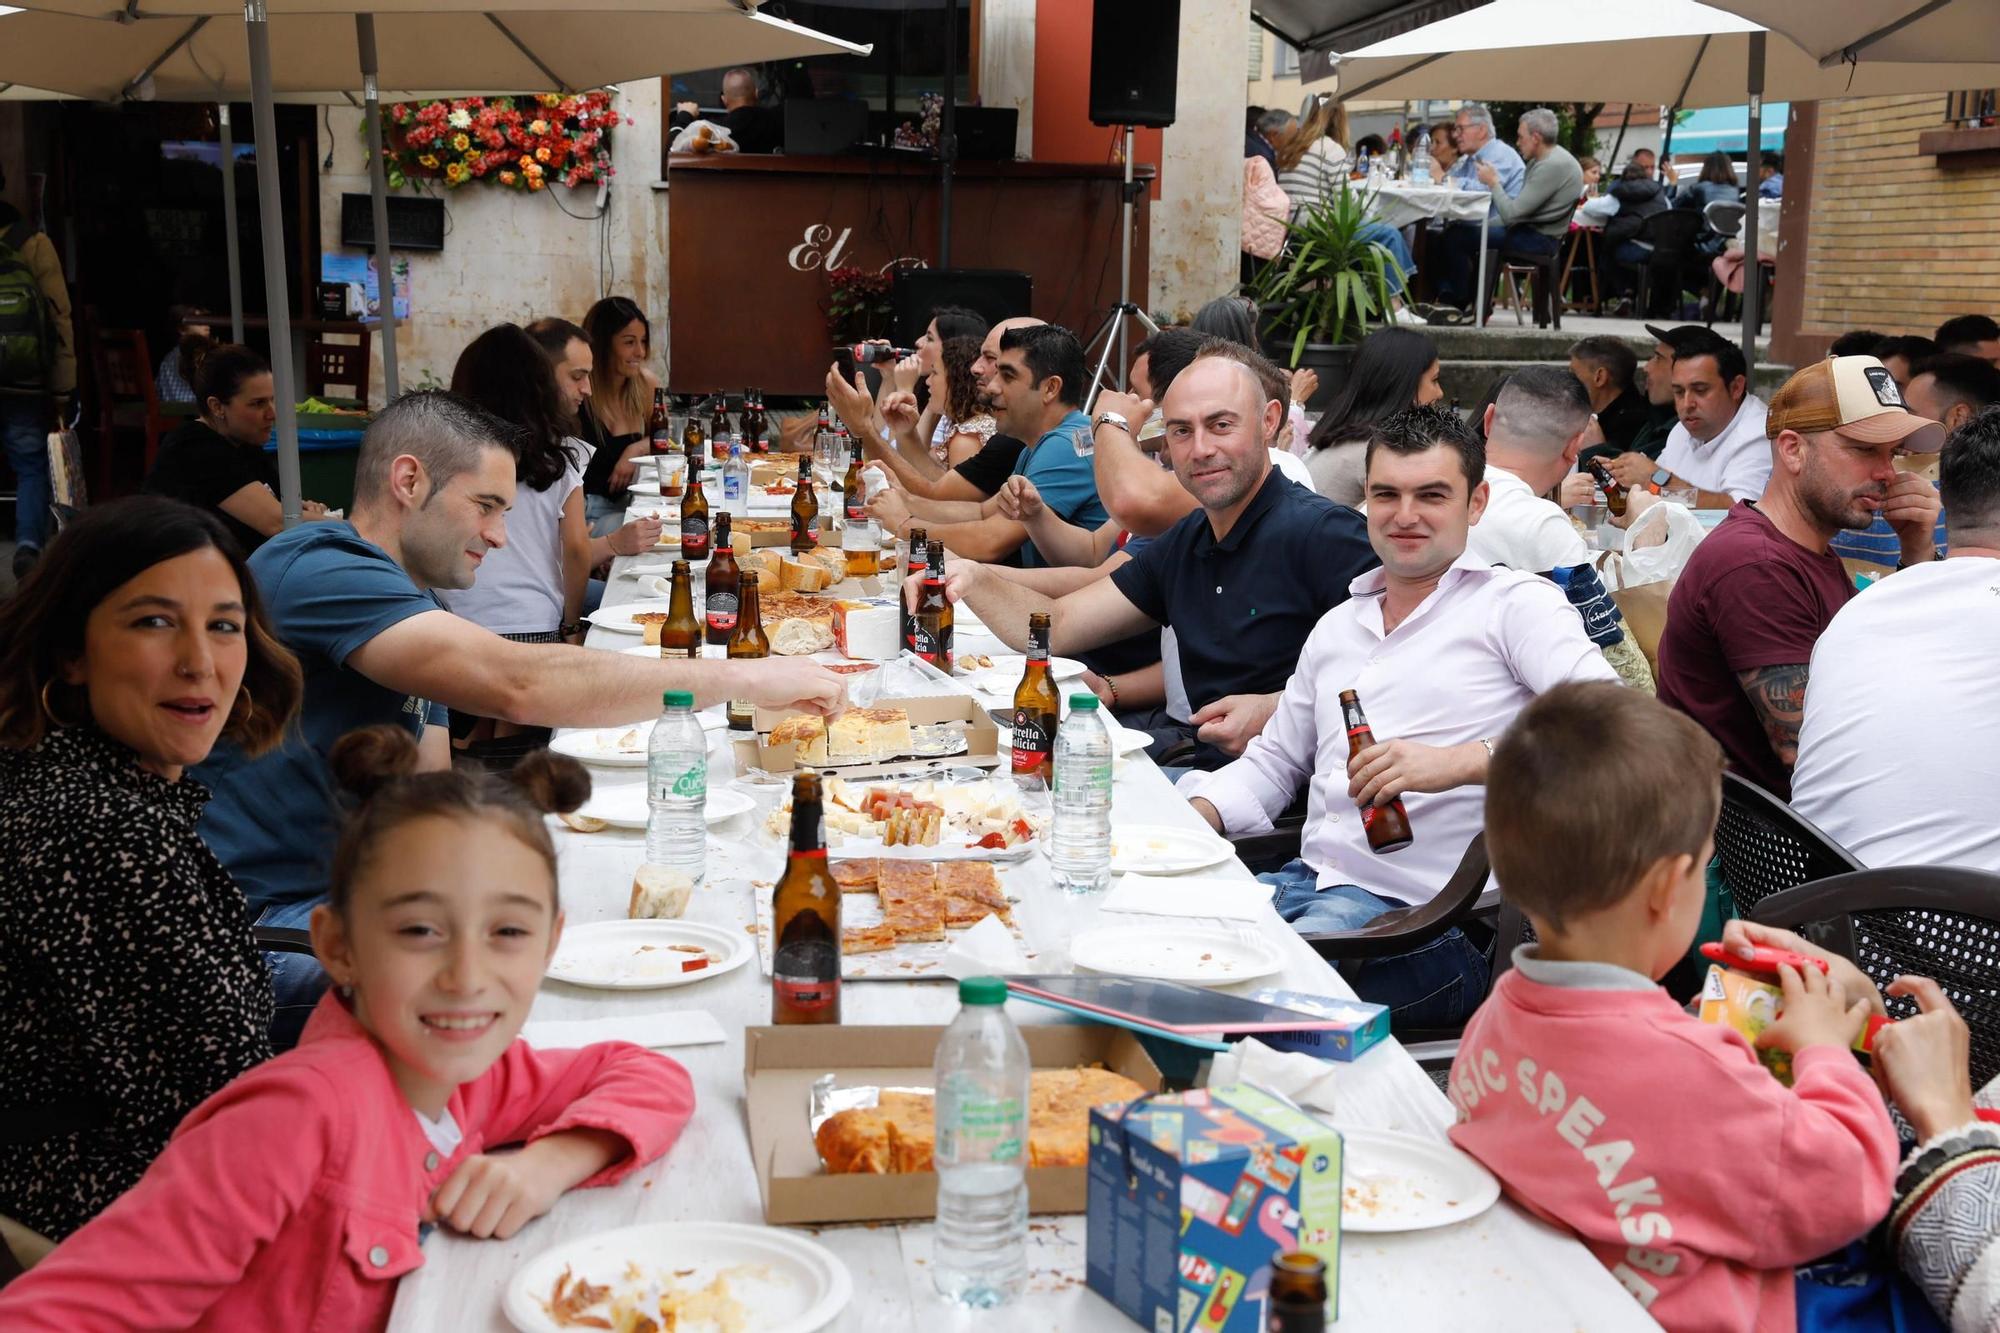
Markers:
{"x": 805, "y": 919}
{"x": 1036, "y": 706}
{"x": 1388, "y": 825}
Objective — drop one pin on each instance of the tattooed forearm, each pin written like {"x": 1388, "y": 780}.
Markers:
{"x": 1778, "y": 693}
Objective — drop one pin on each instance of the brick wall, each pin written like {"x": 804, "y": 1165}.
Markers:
{"x": 1895, "y": 241}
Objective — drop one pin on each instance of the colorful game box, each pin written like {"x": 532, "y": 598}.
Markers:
{"x": 1193, "y": 1193}
{"x": 1363, "y": 1024}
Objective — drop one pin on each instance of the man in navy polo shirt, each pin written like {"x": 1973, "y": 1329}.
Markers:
{"x": 1242, "y": 580}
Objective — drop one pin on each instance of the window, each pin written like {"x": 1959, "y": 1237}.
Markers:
{"x": 1287, "y": 64}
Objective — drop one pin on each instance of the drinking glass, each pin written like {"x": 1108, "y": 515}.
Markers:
{"x": 1682, "y": 495}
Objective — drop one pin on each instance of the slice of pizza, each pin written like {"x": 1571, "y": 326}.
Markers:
{"x": 856, "y": 876}
{"x": 974, "y": 880}
{"x": 868, "y": 939}
{"x": 897, "y": 876}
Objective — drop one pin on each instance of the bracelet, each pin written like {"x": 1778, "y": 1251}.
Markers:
{"x": 1112, "y": 685}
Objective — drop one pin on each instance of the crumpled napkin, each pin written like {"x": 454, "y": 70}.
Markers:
{"x": 1305, "y": 1080}
{"x": 989, "y": 949}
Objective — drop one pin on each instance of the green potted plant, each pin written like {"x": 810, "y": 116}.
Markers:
{"x": 1318, "y": 298}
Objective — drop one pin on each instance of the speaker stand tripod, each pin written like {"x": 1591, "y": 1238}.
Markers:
{"x": 1113, "y": 330}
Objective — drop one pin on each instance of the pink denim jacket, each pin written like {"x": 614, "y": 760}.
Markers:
{"x": 291, "y": 1198}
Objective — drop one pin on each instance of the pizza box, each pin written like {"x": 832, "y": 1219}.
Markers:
{"x": 780, "y": 1064}
{"x": 982, "y": 740}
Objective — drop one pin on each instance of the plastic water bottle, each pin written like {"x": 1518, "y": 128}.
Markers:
{"x": 677, "y": 789}
{"x": 736, "y": 480}
{"x": 982, "y": 1151}
{"x": 1361, "y": 166}
{"x": 1080, "y": 841}
{"x": 1422, "y": 169}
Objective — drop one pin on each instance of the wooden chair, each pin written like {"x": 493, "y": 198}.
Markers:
{"x": 1941, "y": 922}
{"x": 1582, "y": 239}
{"x": 1767, "y": 847}
{"x": 1542, "y": 273}
{"x": 341, "y": 364}
{"x": 125, "y": 396}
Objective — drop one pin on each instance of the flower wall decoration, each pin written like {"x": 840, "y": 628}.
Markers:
{"x": 518, "y": 143}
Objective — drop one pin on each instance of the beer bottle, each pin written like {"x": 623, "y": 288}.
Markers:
{"x": 746, "y": 641}
{"x": 805, "y": 510}
{"x": 857, "y": 533}
{"x": 1297, "y": 1294}
{"x": 805, "y": 919}
{"x": 915, "y": 563}
{"x": 694, "y": 519}
{"x": 681, "y": 635}
{"x": 658, "y": 428}
{"x": 692, "y": 438}
{"x": 825, "y": 419}
{"x": 1036, "y": 707}
{"x": 1615, "y": 496}
{"x": 931, "y": 637}
{"x": 1388, "y": 826}
{"x": 753, "y": 417}
{"x": 719, "y": 596}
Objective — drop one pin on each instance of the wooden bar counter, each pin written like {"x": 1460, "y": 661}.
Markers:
{"x": 750, "y": 237}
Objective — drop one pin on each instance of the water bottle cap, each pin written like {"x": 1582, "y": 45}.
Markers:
{"x": 1085, "y": 703}
{"x": 678, "y": 699}
{"x": 982, "y": 990}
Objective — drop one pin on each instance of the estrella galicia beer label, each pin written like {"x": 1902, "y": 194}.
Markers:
{"x": 694, "y": 536}
{"x": 721, "y": 611}
{"x": 1032, "y": 741}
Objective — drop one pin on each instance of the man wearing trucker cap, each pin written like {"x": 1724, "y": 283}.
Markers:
{"x": 1754, "y": 597}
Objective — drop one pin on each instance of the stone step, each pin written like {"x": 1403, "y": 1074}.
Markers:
{"x": 1467, "y": 380}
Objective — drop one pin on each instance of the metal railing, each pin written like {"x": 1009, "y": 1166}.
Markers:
{"x": 1972, "y": 109}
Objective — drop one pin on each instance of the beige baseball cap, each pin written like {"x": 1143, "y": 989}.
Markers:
{"x": 1856, "y": 396}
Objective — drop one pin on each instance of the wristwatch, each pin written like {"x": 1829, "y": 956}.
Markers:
{"x": 1112, "y": 419}
{"x": 1661, "y": 476}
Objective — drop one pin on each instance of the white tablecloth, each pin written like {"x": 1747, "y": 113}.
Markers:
{"x": 1399, "y": 204}
{"x": 1502, "y": 1271}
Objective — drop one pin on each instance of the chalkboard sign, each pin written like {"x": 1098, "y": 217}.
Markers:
{"x": 414, "y": 224}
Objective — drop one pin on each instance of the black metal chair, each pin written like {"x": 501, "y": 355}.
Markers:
{"x": 1670, "y": 241}
{"x": 1544, "y": 274}
{"x": 1768, "y": 847}
{"x": 1941, "y": 922}
{"x": 281, "y": 939}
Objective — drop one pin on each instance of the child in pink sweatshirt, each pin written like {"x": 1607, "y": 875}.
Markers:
{"x": 1691, "y": 1173}
{"x": 294, "y": 1196}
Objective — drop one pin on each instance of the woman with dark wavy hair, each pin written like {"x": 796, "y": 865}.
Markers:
{"x": 129, "y": 986}
{"x": 1393, "y": 369}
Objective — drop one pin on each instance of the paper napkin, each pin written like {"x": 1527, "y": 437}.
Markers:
{"x": 667, "y": 1027}
{"x": 1159, "y": 895}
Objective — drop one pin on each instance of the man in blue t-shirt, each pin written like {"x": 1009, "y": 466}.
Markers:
{"x": 432, "y": 484}
{"x": 1036, "y": 391}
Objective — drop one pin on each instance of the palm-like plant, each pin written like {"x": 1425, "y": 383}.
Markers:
{"x": 1331, "y": 280}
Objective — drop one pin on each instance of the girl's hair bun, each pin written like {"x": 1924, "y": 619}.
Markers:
{"x": 367, "y": 760}
{"x": 552, "y": 783}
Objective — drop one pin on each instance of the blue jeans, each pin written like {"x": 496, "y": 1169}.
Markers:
{"x": 24, "y": 432}
{"x": 1391, "y": 239}
{"x": 1458, "y": 246}
{"x": 1436, "y": 985}
{"x": 297, "y": 980}
{"x": 602, "y": 514}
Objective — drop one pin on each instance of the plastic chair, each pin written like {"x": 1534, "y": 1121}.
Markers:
{"x": 125, "y": 395}
{"x": 1670, "y": 240}
{"x": 1941, "y": 922}
{"x": 1543, "y": 271}
{"x": 281, "y": 939}
{"x": 344, "y": 364}
{"x": 1768, "y": 847}
{"x": 1724, "y": 217}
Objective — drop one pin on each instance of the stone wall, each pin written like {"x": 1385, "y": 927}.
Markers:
{"x": 515, "y": 257}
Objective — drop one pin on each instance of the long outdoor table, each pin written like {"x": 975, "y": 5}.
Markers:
{"x": 1502, "y": 1271}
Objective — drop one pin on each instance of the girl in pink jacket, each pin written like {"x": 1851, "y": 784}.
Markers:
{"x": 295, "y": 1197}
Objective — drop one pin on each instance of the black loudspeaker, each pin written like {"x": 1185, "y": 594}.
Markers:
{"x": 997, "y": 293}
{"x": 1134, "y": 61}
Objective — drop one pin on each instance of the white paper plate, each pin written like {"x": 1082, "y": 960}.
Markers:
{"x": 1198, "y": 957}
{"x": 618, "y": 619}
{"x": 802, "y": 1288}
{"x": 1399, "y": 1182}
{"x": 632, "y": 955}
{"x": 625, "y": 805}
{"x": 1005, "y": 673}
{"x": 606, "y": 747}
{"x": 1156, "y": 849}
{"x": 1126, "y": 740}
{"x": 653, "y": 569}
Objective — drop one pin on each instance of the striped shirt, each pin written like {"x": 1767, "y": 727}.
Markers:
{"x": 1317, "y": 177}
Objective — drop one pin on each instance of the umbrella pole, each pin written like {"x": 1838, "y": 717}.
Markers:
{"x": 271, "y": 231}
{"x": 230, "y": 239}
{"x": 378, "y": 199}
{"x": 1753, "y": 271}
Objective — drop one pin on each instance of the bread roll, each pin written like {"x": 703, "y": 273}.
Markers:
{"x": 800, "y": 638}
{"x": 804, "y": 576}
{"x": 659, "y": 892}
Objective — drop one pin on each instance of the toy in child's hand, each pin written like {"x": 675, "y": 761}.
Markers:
{"x": 1763, "y": 958}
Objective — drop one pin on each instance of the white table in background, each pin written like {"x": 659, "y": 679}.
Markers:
{"x": 1400, "y": 203}
{"x": 1502, "y": 1271}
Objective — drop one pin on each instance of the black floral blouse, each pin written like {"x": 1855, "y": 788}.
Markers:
{"x": 129, "y": 987}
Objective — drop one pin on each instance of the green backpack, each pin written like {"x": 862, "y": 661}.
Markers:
{"x": 26, "y": 341}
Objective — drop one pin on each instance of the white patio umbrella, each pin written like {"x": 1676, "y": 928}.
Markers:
{"x": 1677, "y": 53}
{"x": 212, "y": 50}
{"x": 1864, "y": 32}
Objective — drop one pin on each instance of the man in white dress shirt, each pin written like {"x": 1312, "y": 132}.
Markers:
{"x": 1719, "y": 448}
{"x": 1443, "y": 650}
{"x": 1902, "y": 766}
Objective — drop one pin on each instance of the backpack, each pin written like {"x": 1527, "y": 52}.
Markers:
{"x": 27, "y": 343}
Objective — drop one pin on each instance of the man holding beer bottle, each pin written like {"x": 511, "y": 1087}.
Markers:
{"x": 1441, "y": 650}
